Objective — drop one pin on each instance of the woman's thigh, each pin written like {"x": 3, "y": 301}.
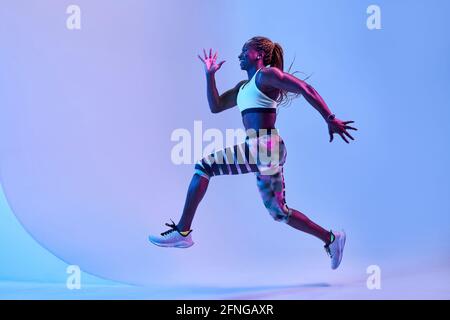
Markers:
{"x": 237, "y": 159}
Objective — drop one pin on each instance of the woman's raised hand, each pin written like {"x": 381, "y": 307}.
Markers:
{"x": 210, "y": 62}
{"x": 340, "y": 127}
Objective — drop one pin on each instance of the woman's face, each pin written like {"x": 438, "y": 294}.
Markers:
{"x": 248, "y": 56}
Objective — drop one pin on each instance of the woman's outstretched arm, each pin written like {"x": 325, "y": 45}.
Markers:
{"x": 275, "y": 78}
{"x": 217, "y": 103}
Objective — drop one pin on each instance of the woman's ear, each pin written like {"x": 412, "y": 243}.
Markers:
{"x": 260, "y": 55}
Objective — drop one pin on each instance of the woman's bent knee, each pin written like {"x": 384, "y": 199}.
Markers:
{"x": 278, "y": 210}
{"x": 202, "y": 170}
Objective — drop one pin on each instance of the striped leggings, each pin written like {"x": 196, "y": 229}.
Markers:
{"x": 264, "y": 154}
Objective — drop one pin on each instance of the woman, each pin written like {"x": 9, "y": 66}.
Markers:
{"x": 257, "y": 99}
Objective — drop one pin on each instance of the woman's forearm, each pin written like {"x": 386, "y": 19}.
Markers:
{"x": 314, "y": 99}
{"x": 212, "y": 93}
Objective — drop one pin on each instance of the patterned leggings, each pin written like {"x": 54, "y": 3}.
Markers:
{"x": 264, "y": 154}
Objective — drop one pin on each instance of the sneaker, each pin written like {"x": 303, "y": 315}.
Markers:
{"x": 335, "y": 249}
{"x": 172, "y": 238}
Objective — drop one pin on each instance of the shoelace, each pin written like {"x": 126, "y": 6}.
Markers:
{"x": 173, "y": 227}
{"x": 328, "y": 251}
{"x": 327, "y": 246}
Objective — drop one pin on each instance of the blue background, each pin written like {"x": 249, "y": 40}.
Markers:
{"x": 117, "y": 88}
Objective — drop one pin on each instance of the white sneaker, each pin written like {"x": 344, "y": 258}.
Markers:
{"x": 172, "y": 238}
{"x": 336, "y": 249}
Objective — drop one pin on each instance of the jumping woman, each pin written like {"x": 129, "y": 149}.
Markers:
{"x": 257, "y": 99}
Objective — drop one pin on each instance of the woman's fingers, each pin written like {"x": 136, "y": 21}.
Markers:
{"x": 200, "y": 58}
{"x": 220, "y": 64}
{"x": 348, "y": 135}
{"x": 347, "y": 122}
{"x": 210, "y": 54}
{"x": 343, "y": 137}
{"x": 341, "y": 130}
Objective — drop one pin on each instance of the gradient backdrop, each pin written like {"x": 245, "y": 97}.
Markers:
{"x": 86, "y": 118}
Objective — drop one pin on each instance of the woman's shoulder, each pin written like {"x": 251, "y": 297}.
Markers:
{"x": 267, "y": 77}
{"x": 270, "y": 71}
{"x": 240, "y": 84}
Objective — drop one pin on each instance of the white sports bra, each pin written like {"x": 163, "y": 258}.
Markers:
{"x": 251, "y": 99}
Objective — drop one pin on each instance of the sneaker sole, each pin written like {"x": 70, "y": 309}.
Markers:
{"x": 178, "y": 245}
{"x": 341, "y": 248}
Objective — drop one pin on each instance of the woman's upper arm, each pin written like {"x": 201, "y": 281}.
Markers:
{"x": 275, "y": 78}
{"x": 229, "y": 98}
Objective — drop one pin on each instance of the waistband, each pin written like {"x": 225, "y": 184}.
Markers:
{"x": 252, "y": 133}
{"x": 259, "y": 110}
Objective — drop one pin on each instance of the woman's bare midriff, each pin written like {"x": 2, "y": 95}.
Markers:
{"x": 257, "y": 121}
